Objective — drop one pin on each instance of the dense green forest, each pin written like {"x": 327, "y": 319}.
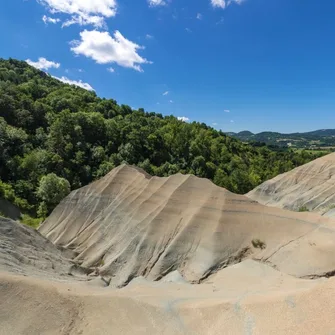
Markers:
{"x": 55, "y": 138}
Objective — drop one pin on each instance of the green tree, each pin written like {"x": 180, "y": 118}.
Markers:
{"x": 52, "y": 189}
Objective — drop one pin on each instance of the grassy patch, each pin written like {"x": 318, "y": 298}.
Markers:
{"x": 31, "y": 222}
{"x": 303, "y": 209}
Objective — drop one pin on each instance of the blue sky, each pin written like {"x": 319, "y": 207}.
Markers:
{"x": 235, "y": 65}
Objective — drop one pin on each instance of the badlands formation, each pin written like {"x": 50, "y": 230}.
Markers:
{"x": 311, "y": 186}
{"x": 135, "y": 254}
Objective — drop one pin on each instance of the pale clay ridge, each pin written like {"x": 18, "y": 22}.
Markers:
{"x": 129, "y": 224}
{"x": 311, "y": 185}
{"x": 128, "y": 215}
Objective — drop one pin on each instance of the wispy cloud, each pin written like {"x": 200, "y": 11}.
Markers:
{"x": 224, "y": 3}
{"x": 171, "y": 101}
{"x": 47, "y": 19}
{"x": 166, "y": 93}
{"x": 79, "y": 83}
{"x": 155, "y": 3}
{"x": 111, "y": 70}
{"x": 227, "y": 111}
{"x": 188, "y": 30}
{"x": 43, "y": 64}
{"x": 199, "y": 16}
{"x": 149, "y": 37}
{"x": 232, "y": 121}
{"x": 183, "y": 118}
{"x": 219, "y": 3}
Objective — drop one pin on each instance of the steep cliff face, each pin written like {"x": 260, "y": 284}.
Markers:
{"x": 311, "y": 186}
{"x": 130, "y": 224}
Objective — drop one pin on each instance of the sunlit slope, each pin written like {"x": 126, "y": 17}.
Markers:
{"x": 130, "y": 224}
{"x": 308, "y": 187}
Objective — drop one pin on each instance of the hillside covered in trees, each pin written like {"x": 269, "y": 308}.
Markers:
{"x": 323, "y": 139}
{"x": 55, "y": 138}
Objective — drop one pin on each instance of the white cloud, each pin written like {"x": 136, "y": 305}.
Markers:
{"x": 97, "y": 21}
{"x": 199, "y": 16}
{"x": 166, "y": 93}
{"x": 227, "y": 111}
{"x": 171, "y": 101}
{"x": 83, "y": 12}
{"x": 149, "y": 37}
{"x": 219, "y": 3}
{"x": 224, "y": 3}
{"x": 110, "y": 69}
{"x": 47, "y": 19}
{"x": 214, "y": 124}
{"x": 183, "y": 118}
{"x": 188, "y": 30}
{"x": 155, "y": 3}
{"x": 79, "y": 83}
{"x": 104, "y": 49}
{"x": 43, "y": 64}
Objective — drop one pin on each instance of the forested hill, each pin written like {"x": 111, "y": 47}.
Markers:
{"x": 55, "y": 137}
{"x": 318, "y": 139}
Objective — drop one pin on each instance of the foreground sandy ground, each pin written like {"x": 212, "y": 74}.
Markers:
{"x": 248, "y": 298}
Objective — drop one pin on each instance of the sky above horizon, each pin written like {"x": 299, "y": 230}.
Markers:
{"x": 236, "y": 65}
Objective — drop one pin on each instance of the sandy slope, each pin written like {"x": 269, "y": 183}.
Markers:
{"x": 130, "y": 224}
{"x": 248, "y": 298}
{"x": 136, "y": 228}
{"x": 311, "y": 185}
{"x": 24, "y": 251}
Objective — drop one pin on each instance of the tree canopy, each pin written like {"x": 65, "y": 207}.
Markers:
{"x": 48, "y": 127}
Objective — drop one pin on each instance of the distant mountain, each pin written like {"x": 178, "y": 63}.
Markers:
{"x": 323, "y": 138}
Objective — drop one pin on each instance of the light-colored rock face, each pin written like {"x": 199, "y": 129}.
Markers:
{"x": 130, "y": 224}
{"x": 311, "y": 185}
{"x": 24, "y": 251}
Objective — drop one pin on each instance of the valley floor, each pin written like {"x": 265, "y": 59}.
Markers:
{"x": 248, "y": 298}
